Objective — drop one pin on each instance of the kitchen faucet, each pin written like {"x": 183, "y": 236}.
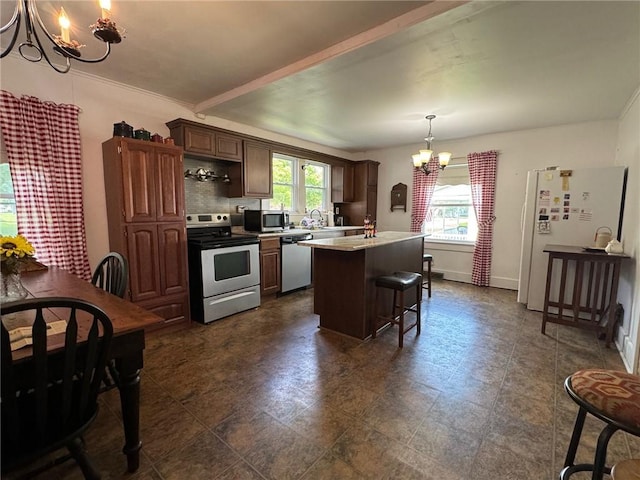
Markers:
{"x": 319, "y": 213}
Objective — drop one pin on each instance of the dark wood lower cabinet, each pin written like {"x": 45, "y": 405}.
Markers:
{"x": 173, "y": 308}
{"x": 158, "y": 269}
{"x": 144, "y": 269}
{"x": 270, "y": 266}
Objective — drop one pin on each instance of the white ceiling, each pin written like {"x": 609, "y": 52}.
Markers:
{"x": 362, "y": 75}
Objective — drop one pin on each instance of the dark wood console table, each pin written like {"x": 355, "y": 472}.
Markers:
{"x": 129, "y": 321}
{"x": 601, "y": 272}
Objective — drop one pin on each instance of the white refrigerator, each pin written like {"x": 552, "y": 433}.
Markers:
{"x": 565, "y": 207}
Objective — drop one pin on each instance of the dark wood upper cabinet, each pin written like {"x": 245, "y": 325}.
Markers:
{"x": 197, "y": 140}
{"x": 252, "y": 178}
{"x": 138, "y": 177}
{"x": 372, "y": 173}
{"x": 365, "y": 196}
{"x": 341, "y": 183}
{"x": 228, "y": 147}
{"x": 250, "y": 175}
{"x": 202, "y": 141}
{"x": 170, "y": 201}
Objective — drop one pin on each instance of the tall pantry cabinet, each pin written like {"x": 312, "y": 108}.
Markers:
{"x": 144, "y": 186}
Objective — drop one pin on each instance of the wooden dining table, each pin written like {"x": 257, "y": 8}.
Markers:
{"x": 127, "y": 346}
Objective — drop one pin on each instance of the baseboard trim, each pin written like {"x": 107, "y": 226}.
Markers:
{"x": 464, "y": 277}
{"x": 455, "y": 276}
{"x": 626, "y": 348}
{"x": 502, "y": 282}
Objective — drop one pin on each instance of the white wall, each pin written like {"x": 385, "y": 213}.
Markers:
{"x": 579, "y": 145}
{"x": 103, "y": 104}
{"x": 628, "y": 154}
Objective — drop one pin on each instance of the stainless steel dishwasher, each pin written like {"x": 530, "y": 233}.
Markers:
{"x": 296, "y": 262}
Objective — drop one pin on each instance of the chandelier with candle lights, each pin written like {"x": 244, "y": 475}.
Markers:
{"x": 423, "y": 157}
{"x": 33, "y": 50}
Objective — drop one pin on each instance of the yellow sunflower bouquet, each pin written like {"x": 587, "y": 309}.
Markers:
{"x": 14, "y": 252}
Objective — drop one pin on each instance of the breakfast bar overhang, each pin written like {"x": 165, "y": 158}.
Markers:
{"x": 344, "y": 273}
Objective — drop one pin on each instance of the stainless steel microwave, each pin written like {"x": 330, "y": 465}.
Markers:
{"x": 265, "y": 220}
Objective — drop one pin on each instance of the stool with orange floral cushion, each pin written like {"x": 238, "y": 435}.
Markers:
{"x": 611, "y": 396}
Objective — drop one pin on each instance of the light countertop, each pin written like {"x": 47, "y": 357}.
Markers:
{"x": 358, "y": 242}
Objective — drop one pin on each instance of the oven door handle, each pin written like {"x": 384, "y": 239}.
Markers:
{"x": 235, "y": 243}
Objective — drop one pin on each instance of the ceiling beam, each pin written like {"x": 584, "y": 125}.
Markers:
{"x": 374, "y": 34}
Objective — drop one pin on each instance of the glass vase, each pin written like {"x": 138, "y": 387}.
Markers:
{"x": 11, "y": 288}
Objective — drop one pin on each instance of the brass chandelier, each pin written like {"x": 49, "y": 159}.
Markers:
{"x": 33, "y": 50}
{"x": 423, "y": 157}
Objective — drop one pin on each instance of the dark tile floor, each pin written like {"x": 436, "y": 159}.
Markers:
{"x": 267, "y": 395}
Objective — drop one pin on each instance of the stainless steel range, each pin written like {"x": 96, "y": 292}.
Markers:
{"x": 224, "y": 268}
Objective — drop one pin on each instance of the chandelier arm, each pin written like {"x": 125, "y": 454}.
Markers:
{"x": 14, "y": 21}
{"x": 15, "y": 18}
{"x": 57, "y": 68}
{"x": 65, "y": 52}
{"x": 39, "y": 46}
{"x": 32, "y": 17}
{"x": 94, "y": 60}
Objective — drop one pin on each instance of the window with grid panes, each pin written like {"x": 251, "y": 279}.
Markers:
{"x": 299, "y": 189}
{"x": 452, "y": 216}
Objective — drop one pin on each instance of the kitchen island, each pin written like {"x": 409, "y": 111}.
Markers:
{"x": 344, "y": 273}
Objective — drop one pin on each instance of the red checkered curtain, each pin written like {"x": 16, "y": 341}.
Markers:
{"x": 482, "y": 171}
{"x": 423, "y": 187}
{"x": 43, "y": 146}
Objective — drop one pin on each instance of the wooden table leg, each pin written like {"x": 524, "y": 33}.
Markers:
{"x": 613, "y": 303}
{"x": 129, "y": 385}
{"x": 547, "y": 291}
{"x": 563, "y": 286}
{"x": 577, "y": 290}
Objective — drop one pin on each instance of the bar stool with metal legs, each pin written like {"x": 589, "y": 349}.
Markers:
{"x": 399, "y": 282}
{"x": 611, "y": 396}
{"x": 426, "y": 257}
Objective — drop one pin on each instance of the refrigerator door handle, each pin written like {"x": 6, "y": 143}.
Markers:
{"x": 524, "y": 205}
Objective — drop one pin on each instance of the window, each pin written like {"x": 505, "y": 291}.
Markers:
{"x": 315, "y": 186}
{"x": 451, "y": 215}
{"x": 283, "y": 182}
{"x": 8, "y": 218}
{"x": 299, "y": 185}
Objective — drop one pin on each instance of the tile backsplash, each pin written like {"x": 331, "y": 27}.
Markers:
{"x": 211, "y": 196}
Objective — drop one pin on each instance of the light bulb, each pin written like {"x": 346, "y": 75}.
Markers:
{"x": 443, "y": 159}
{"x": 65, "y": 24}
{"x": 426, "y": 155}
{"x": 105, "y": 6}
